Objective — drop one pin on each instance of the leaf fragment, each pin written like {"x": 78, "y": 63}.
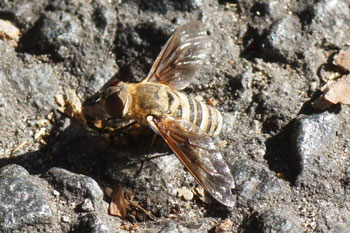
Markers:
{"x": 337, "y": 92}
{"x": 343, "y": 59}
{"x": 118, "y": 205}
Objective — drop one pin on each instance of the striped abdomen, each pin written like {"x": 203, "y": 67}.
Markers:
{"x": 204, "y": 116}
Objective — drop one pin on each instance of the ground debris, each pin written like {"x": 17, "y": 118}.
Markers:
{"x": 185, "y": 193}
{"x": 343, "y": 59}
{"x": 70, "y": 104}
{"x": 9, "y": 32}
{"x": 200, "y": 192}
{"x": 118, "y": 205}
{"x": 224, "y": 226}
{"x": 337, "y": 92}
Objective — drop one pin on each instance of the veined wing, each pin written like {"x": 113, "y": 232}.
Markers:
{"x": 199, "y": 154}
{"x": 182, "y": 56}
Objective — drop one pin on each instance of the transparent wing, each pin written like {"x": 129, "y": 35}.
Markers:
{"x": 182, "y": 56}
{"x": 200, "y": 155}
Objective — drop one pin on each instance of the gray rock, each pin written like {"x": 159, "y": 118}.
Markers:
{"x": 255, "y": 185}
{"x": 82, "y": 40}
{"x": 92, "y": 224}
{"x": 283, "y": 37}
{"x": 331, "y": 23}
{"x": 175, "y": 228}
{"x": 27, "y": 89}
{"x": 26, "y": 13}
{"x": 87, "y": 205}
{"x": 37, "y": 85}
{"x": 61, "y": 32}
{"x": 185, "y": 227}
{"x": 75, "y": 186}
{"x": 280, "y": 220}
{"x": 274, "y": 220}
{"x": 279, "y": 101}
{"x": 23, "y": 202}
{"x": 313, "y": 135}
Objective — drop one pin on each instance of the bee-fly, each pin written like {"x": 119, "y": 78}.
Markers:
{"x": 185, "y": 123}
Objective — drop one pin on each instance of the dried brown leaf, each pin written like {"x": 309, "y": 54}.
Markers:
{"x": 337, "y": 92}
{"x": 118, "y": 205}
{"x": 343, "y": 59}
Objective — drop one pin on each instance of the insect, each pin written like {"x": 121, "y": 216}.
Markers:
{"x": 186, "y": 124}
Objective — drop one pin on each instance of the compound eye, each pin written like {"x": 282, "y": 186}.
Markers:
{"x": 114, "y": 105}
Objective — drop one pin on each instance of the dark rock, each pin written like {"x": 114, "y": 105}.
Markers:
{"x": 134, "y": 40}
{"x": 83, "y": 40}
{"x": 151, "y": 185}
{"x": 92, "y": 224}
{"x": 75, "y": 146}
{"x": 23, "y": 202}
{"x": 313, "y": 135}
{"x": 163, "y": 6}
{"x": 75, "y": 186}
{"x": 273, "y": 221}
{"x": 61, "y": 32}
{"x": 255, "y": 184}
{"x": 283, "y": 36}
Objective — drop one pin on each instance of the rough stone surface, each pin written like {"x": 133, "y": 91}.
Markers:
{"x": 273, "y": 220}
{"x": 267, "y": 63}
{"x": 182, "y": 227}
{"x": 74, "y": 185}
{"x": 254, "y": 183}
{"x": 312, "y": 136}
{"x": 285, "y": 33}
{"x": 280, "y": 220}
{"x": 23, "y": 203}
{"x": 332, "y": 15}
{"x": 91, "y": 223}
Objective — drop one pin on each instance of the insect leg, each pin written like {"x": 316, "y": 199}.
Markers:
{"x": 146, "y": 156}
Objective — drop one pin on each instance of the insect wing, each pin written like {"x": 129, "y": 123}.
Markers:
{"x": 182, "y": 56}
{"x": 200, "y": 155}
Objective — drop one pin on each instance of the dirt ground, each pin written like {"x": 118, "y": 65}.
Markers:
{"x": 268, "y": 63}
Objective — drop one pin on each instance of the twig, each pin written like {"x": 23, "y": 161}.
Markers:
{"x": 149, "y": 214}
